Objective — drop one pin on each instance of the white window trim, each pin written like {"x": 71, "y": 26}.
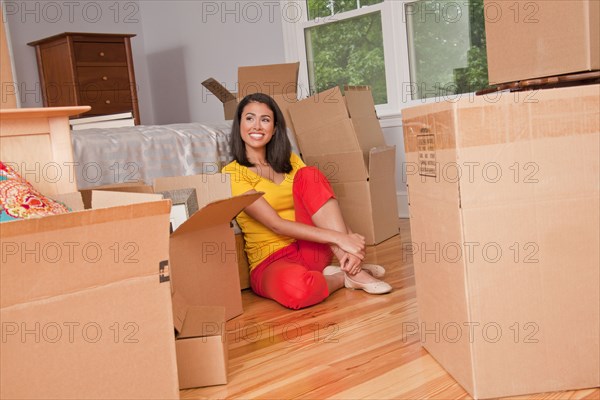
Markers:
{"x": 295, "y": 20}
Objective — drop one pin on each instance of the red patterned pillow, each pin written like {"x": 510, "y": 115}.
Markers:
{"x": 20, "y": 200}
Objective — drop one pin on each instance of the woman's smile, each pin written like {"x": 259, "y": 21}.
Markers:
{"x": 257, "y": 124}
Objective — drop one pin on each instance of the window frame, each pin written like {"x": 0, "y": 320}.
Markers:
{"x": 395, "y": 47}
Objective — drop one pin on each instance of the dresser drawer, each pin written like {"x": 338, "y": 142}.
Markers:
{"x": 99, "y": 52}
{"x": 103, "y": 78}
{"x": 107, "y": 101}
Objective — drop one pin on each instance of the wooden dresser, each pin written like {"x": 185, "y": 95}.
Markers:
{"x": 94, "y": 69}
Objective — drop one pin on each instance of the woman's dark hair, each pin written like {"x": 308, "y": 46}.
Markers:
{"x": 279, "y": 149}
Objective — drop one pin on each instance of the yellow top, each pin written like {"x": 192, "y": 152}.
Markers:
{"x": 260, "y": 240}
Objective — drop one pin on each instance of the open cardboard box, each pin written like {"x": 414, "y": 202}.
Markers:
{"x": 504, "y": 210}
{"x": 220, "y": 189}
{"x": 528, "y": 40}
{"x": 204, "y": 273}
{"x": 85, "y": 305}
{"x": 279, "y": 81}
{"x": 341, "y": 135}
{"x": 203, "y": 254}
{"x": 201, "y": 344}
{"x": 203, "y": 250}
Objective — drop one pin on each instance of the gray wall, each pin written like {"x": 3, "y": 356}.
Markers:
{"x": 187, "y": 42}
{"x": 178, "y": 45}
{"x": 28, "y": 21}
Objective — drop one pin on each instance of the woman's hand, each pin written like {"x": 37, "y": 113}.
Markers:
{"x": 350, "y": 264}
{"x": 352, "y": 243}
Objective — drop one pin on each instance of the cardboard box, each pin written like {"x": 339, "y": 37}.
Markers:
{"x": 341, "y": 135}
{"x": 208, "y": 188}
{"x": 504, "y": 210}
{"x": 206, "y": 291}
{"x": 85, "y": 305}
{"x": 201, "y": 344}
{"x": 203, "y": 253}
{"x": 279, "y": 81}
{"x": 527, "y": 40}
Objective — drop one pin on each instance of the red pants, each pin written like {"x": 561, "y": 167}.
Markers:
{"x": 293, "y": 275}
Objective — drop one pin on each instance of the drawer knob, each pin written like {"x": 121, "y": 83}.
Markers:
{"x": 101, "y": 54}
{"x": 105, "y": 78}
{"x": 107, "y": 101}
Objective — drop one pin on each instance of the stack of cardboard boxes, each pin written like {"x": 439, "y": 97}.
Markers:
{"x": 340, "y": 134}
{"x": 203, "y": 268}
{"x": 504, "y": 208}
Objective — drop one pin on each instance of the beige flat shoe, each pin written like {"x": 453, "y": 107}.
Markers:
{"x": 377, "y": 271}
{"x": 379, "y": 287}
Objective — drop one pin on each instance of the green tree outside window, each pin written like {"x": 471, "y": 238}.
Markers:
{"x": 446, "y": 42}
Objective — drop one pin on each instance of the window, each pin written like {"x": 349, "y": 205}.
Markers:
{"x": 447, "y": 53}
{"x": 406, "y": 50}
{"x": 326, "y": 8}
{"x": 347, "y": 52}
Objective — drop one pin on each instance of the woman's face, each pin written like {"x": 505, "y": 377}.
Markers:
{"x": 257, "y": 125}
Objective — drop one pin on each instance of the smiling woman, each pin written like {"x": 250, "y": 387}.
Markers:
{"x": 291, "y": 233}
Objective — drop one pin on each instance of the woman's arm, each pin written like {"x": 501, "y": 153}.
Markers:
{"x": 262, "y": 211}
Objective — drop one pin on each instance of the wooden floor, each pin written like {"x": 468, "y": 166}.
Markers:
{"x": 349, "y": 347}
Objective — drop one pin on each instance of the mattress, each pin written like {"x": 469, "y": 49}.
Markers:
{"x": 105, "y": 156}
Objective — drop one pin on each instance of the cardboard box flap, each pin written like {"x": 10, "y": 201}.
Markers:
{"x": 311, "y": 113}
{"x": 218, "y": 212}
{"x": 330, "y": 137}
{"x": 72, "y": 200}
{"x": 274, "y": 79}
{"x": 209, "y": 187}
{"x": 359, "y": 101}
{"x": 203, "y": 321}
{"x": 179, "y": 311}
{"x": 361, "y": 107}
{"x": 218, "y": 90}
{"x": 344, "y": 167}
{"x": 133, "y": 187}
{"x": 382, "y": 161}
{"x": 104, "y": 198}
{"x": 137, "y": 186}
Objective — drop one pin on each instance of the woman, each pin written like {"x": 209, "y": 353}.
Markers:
{"x": 295, "y": 228}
